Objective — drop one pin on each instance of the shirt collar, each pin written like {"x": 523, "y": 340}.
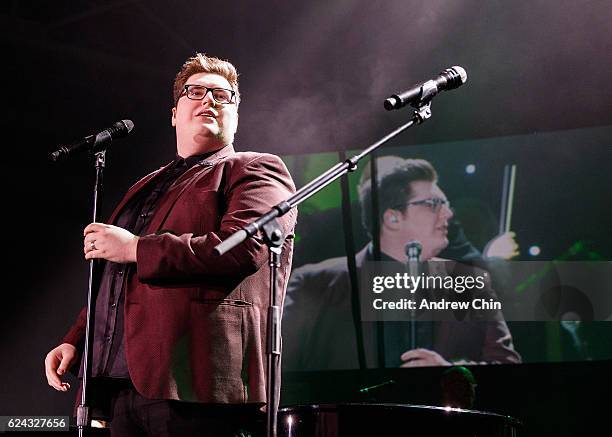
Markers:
{"x": 190, "y": 161}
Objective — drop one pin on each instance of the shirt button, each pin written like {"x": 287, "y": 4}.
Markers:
{"x": 143, "y": 215}
{"x": 107, "y": 338}
{"x": 113, "y": 305}
{"x": 120, "y": 272}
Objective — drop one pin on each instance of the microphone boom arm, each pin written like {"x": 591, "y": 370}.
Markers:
{"x": 420, "y": 114}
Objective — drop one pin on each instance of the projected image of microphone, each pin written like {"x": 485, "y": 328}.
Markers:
{"x": 413, "y": 250}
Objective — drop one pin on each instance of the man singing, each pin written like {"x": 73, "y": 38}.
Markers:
{"x": 319, "y": 329}
{"x": 179, "y": 336}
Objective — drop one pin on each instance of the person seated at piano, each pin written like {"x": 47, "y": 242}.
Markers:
{"x": 319, "y": 330}
{"x": 458, "y": 387}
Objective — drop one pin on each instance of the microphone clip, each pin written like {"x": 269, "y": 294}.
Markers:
{"x": 422, "y": 110}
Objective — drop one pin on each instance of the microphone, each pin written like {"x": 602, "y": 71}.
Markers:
{"x": 448, "y": 79}
{"x": 413, "y": 250}
{"x": 96, "y": 142}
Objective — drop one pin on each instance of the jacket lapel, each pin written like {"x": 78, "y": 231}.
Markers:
{"x": 189, "y": 178}
{"x": 360, "y": 257}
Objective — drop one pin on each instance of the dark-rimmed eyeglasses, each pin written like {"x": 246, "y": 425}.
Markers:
{"x": 434, "y": 203}
{"x": 220, "y": 95}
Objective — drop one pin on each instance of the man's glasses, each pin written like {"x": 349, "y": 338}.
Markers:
{"x": 435, "y": 203}
{"x": 219, "y": 95}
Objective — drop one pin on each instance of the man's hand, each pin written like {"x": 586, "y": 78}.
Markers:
{"x": 57, "y": 362}
{"x": 109, "y": 242}
{"x": 423, "y": 358}
{"x": 503, "y": 246}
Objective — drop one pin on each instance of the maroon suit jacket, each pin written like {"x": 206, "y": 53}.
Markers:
{"x": 195, "y": 323}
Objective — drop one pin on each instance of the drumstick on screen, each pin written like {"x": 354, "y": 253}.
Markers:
{"x": 505, "y": 216}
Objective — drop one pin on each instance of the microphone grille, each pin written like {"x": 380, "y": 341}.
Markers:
{"x": 455, "y": 77}
{"x": 121, "y": 129}
{"x": 413, "y": 249}
{"x": 462, "y": 73}
{"x": 129, "y": 124}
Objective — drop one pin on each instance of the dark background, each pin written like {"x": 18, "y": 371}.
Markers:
{"x": 314, "y": 75}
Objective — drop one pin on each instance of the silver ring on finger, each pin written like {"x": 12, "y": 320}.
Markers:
{"x": 92, "y": 246}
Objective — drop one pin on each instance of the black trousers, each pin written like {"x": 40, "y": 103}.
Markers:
{"x": 135, "y": 416}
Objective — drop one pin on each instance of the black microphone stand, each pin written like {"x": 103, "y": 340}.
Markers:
{"x": 83, "y": 412}
{"x": 421, "y": 113}
{"x": 274, "y": 238}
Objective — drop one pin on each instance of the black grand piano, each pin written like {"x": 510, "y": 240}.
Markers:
{"x": 380, "y": 420}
